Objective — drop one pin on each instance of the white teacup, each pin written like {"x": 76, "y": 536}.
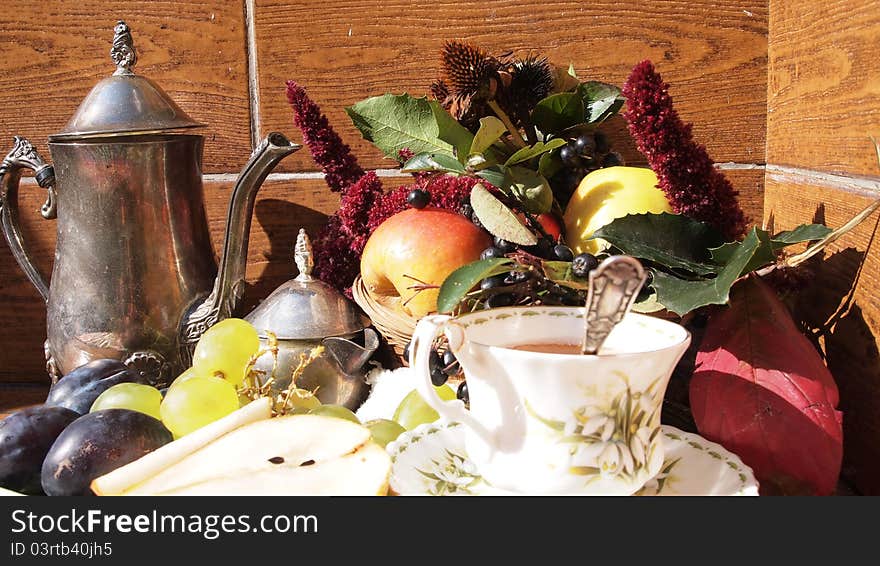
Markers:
{"x": 556, "y": 423}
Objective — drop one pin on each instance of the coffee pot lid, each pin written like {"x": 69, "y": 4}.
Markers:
{"x": 125, "y": 103}
{"x": 306, "y": 307}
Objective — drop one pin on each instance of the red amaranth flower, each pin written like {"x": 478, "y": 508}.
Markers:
{"x": 364, "y": 204}
{"x": 687, "y": 174}
{"x": 339, "y": 165}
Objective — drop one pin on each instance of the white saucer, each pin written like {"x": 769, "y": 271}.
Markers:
{"x": 431, "y": 460}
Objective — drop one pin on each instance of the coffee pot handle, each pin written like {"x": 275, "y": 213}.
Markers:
{"x": 420, "y": 351}
{"x": 24, "y": 156}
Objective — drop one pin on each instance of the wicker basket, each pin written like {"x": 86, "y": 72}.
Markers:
{"x": 395, "y": 326}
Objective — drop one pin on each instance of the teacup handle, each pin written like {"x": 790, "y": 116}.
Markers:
{"x": 420, "y": 350}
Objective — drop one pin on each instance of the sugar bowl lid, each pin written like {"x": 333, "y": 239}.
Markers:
{"x": 125, "y": 103}
{"x": 306, "y": 307}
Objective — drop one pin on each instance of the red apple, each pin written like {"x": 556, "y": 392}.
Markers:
{"x": 419, "y": 247}
{"x": 551, "y": 225}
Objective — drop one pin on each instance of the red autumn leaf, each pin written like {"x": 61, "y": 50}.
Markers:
{"x": 762, "y": 391}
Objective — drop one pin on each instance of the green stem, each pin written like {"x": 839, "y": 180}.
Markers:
{"x": 515, "y": 136}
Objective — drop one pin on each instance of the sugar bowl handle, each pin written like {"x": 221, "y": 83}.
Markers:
{"x": 24, "y": 156}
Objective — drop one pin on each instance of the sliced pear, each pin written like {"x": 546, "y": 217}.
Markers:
{"x": 123, "y": 478}
{"x": 363, "y": 472}
{"x": 250, "y": 451}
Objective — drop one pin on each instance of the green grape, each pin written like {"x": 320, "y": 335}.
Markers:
{"x": 196, "y": 402}
{"x": 188, "y": 374}
{"x": 384, "y": 431}
{"x": 413, "y": 410}
{"x": 227, "y": 348}
{"x": 132, "y": 396}
{"x": 301, "y": 401}
{"x": 337, "y": 411}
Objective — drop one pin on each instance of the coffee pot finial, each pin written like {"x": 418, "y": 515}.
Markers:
{"x": 122, "y": 52}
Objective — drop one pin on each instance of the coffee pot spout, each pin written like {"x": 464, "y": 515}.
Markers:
{"x": 229, "y": 285}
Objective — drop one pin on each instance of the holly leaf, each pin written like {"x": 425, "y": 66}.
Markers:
{"x": 558, "y": 111}
{"x": 499, "y": 220}
{"x": 600, "y": 100}
{"x": 767, "y": 251}
{"x": 671, "y": 240}
{"x": 682, "y": 296}
{"x": 491, "y": 130}
{"x": 460, "y": 282}
{"x": 528, "y": 152}
{"x": 765, "y": 254}
{"x": 762, "y": 390}
{"x": 531, "y": 189}
{"x": 433, "y": 162}
{"x": 395, "y": 122}
{"x": 803, "y": 233}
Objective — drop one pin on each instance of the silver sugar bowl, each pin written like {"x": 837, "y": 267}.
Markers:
{"x": 304, "y": 313}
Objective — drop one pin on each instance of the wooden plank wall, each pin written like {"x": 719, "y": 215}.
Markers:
{"x": 226, "y": 63}
{"x": 823, "y": 105}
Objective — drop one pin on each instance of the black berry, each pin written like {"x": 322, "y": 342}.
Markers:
{"x": 570, "y": 157}
{"x": 492, "y": 282}
{"x": 450, "y": 364}
{"x": 516, "y": 277}
{"x": 462, "y": 393}
{"x": 418, "y": 198}
{"x": 585, "y": 145}
{"x": 435, "y": 363}
{"x": 491, "y": 252}
{"x": 502, "y": 300}
{"x": 505, "y": 246}
{"x": 563, "y": 252}
{"x": 583, "y": 264}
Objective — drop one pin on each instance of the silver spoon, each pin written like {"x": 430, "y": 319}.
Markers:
{"x": 614, "y": 286}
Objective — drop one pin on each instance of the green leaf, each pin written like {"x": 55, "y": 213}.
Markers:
{"x": 451, "y": 131}
{"x": 765, "y": 253}
{"x": 531, "y": 189}
{"x": 495, "y": 175}
{"x": 560, "y": 272}
{"x": 549, "y": 164}
{"x": 769, "y": 246}
{"x": 671, "y": 240}
{"x": 682, "y": 296}
{"x": 499, "y": 220}
{"x": 531, "y": 151}
{"x": 558, "y": 111}
{"x": 395, "y": 122}
{"x": 462, "y": 280}
{"x": 601, "y": 100}
{"x": 803, "y": 233}
{"x": 491, "y": 130}
{"x": 433, "y": 162}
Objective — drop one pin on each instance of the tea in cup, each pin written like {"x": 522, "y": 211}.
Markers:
{"x": 544, "y": 418}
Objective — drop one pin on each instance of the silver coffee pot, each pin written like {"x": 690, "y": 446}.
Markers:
{"x": 135, "y": 277}
{"x": 303, "y": 314}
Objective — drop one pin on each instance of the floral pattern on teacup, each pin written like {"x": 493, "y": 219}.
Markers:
{"x": 452, "y": 475}
{"x": 616, "y": 439}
